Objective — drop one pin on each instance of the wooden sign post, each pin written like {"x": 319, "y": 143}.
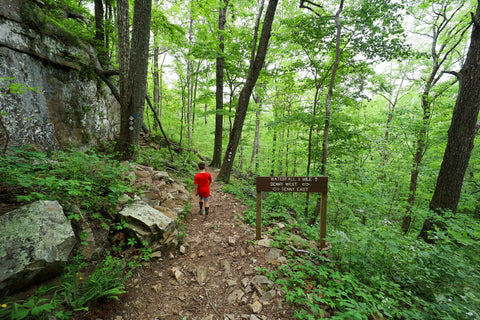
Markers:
{"x": 294, "y": 184}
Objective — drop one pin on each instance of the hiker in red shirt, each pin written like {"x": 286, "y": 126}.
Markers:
{"x": 202, "y": 183}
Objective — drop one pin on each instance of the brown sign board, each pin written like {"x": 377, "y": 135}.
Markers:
{"x": 292, "y": 184}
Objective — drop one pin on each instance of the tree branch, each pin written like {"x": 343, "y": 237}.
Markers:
{"x": 456, "y": 74}
{"x": 309, "y": 2}
{"x": 302, "y": 5}
{"x": 109, "y": 73}
{"x": 159, "y": 124}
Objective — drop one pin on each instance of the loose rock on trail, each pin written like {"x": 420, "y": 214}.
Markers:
{"x": 213, "y": 275}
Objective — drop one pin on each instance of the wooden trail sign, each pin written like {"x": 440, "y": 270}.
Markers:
{"x": 293, "y": 184}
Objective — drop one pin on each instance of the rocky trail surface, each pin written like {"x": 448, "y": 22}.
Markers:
{"x": 213, "y": 275}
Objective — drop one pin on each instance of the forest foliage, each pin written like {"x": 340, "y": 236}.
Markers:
{"x": 391, "y": 108}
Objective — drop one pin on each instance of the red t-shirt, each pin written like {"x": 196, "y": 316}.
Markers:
{"x": 203, "y": 179}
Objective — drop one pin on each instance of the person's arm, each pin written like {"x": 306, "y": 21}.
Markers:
{"x": 195, "y": 182}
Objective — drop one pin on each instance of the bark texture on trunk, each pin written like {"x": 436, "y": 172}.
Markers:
{"x": 135, "y": 91}
{"x": 217, "y": 146}
{"x": 244, "y": 98}
{"x": 461, "y": 134}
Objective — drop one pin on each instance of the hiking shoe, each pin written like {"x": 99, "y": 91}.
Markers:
{"x": 200, "y": 211}
{"x": 206, "y": 217}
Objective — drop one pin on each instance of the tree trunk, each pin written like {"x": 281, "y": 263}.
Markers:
{"x": 392, "y": 105}
{"x": 310, "y": 140}
{"x": 244, "y": 98}
{"x": 287, "y": 152}
{"x": 183, "y": 87}
{"x": 137, "y": 80}
{"x": 256, "y": 142}
{"x": 417, "y": 158}
{"x": 100, "y": 44}
{"x": 461, "y": 134}
{"x": 160, "y": 93}
{"x": 156, "y": 78}
{"x": 194, "y": 97}
{"x": 273, "y": 157}
{"x": 439, "y": 54}
{"x": 189, "y": 84}
{"x": 328, "y": 104}
{"x": 123, "y": 25}
{"x": 217, "y": 145}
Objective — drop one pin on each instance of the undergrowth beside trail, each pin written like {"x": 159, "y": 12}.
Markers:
{"x": 370, "y": 270}
{"x": 88, "y": 184}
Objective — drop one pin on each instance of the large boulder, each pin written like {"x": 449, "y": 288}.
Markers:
{"x": 35, "y": 242}
{"x": 150, "y": 225}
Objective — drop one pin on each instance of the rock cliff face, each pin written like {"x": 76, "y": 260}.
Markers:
{"x": 69, "y": 106}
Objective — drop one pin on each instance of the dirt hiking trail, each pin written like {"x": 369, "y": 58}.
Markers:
{"x": 211, "y": 277}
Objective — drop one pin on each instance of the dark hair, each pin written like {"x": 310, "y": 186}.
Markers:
{"x": 201, "y": 165}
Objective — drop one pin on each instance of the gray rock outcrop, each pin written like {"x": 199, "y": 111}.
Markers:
{"x": 35, "y": 241}
{"x": 68, "y": 106}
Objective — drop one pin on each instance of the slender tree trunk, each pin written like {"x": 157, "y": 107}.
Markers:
{"x": 219, "y": 67}
{"x": 100, "y": 44}
{"x": 230, "y": 107}
{"x": 256, "y": 142}
{"x": 461, "y": 134}
{"x": 244, "y": 98}
{"x": 156, "y": 77}
{"x": 205, "y": 119}
{"x": 182, "y": 116}
{"x": 156, "y": 72}
{"x": 287, "y": 153}
{"x": 328, "y": 104}
{"x": 295, "y": 165}
{"x": 109, "y": 16}
{"x": 160, "y": 97}
{"x": 392, "y": 104}
{"x": 194, "y": 97}
{"x": 281, "y": 151}
{"x": 417, "y": 160}
{"x": 240, "y": 159}
{"x": 310, "y": 140}
{"x": 189, "y": 85}
{"x": 273, "y": 157}
{"x": 439, "y": 54}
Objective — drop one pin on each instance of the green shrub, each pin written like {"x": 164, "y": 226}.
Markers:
{"x": 106, "y": 281}
{"x": 372, "y": 269}
{"x": 78, "y": 289}
{"x": 183, "y": 165}
{"x": 379, "y": 271}
{"x": 37, "y": 306}
{"x": 91, "y": 181}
